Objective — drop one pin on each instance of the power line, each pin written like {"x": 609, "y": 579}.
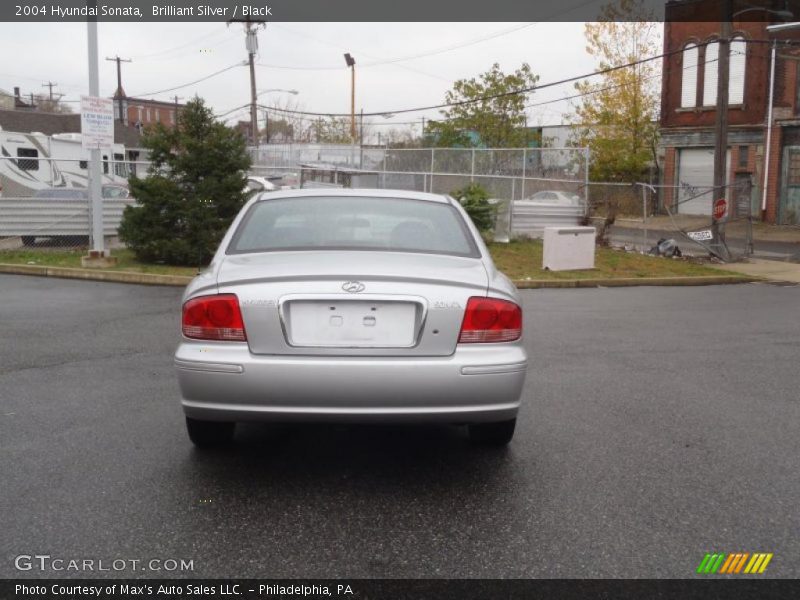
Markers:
{"x": 384, "y": 61}
{"x": 178, "y": 87}
{"x": 524, "y": 90}
{"x": 311, "y": 115}
{"x": 434, "y": 52}
{"x": 453, "y": 46}
{"x": 205, "y": 37}
{"x": 226, "y": 113}
{"x": 350, "y": 49}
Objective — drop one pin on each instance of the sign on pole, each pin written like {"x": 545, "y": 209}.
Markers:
{"x": 700, "y": 236}
{"x": 97, "y": 122}
{"x": 720, "y": 209}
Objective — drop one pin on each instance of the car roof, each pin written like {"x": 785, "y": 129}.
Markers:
{"x": 351, "y": 192}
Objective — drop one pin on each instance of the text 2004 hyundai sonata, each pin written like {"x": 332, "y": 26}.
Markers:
{"x": 351, "y": 305}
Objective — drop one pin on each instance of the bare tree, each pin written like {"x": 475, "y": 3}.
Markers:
{"x": 44, "y": 104}
{"x": 284, "y": 119}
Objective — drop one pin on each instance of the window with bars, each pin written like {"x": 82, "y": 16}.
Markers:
{"x": 28, "y": 165}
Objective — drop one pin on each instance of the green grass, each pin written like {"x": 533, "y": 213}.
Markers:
{"x": 518, "y": 259}
{"x": 72, "y": 258}
{"x": 523, "y": 260}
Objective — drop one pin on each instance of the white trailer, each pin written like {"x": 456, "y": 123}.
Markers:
{"x": 34, "y": 161}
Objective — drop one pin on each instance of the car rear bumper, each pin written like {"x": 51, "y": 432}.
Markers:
{"x": 225, "y": 382}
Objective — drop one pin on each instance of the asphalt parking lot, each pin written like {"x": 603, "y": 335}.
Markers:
{"x": 658, "y": 424}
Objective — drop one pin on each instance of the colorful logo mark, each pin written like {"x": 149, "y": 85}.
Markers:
{"x": 734, "y": 563}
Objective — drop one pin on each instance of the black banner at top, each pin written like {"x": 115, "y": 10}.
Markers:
{"x": 383, "y": 11}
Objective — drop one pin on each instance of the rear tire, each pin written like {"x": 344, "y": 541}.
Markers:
{"x": 205, "y": 434}
{"x": 498, "y": 433}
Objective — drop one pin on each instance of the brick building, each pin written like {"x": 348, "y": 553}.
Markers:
{"x": 688, "y": 114}
{"x": 141, "y": 112}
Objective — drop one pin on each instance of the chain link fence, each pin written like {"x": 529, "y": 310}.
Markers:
{"x": 44, "y": 203}
{"x": 531, "y": 187}
{"x": 642, "y": 215}
{"x": 711, "y": 221}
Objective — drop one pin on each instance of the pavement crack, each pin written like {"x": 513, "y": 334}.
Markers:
{"x": 71, "y": 362}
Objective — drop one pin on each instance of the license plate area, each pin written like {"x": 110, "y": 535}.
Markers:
{"x": 349, "y": 323}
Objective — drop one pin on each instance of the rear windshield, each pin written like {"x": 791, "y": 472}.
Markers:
{"x": 355, "y": 223}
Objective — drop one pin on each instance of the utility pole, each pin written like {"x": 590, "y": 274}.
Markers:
{"x": 176, "y": 98}
{"x": 422, "y": 134}
{"x": 721, "y": 143}
{"x": 120, "y": 92}
{"x": 50, "y": 85}
{"x": 251, "y": 45}
{"x": 252, "y": 48}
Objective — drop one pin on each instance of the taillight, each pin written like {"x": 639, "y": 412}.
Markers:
{"x": 214, "y": 318}
{"x": 490, "y": 320}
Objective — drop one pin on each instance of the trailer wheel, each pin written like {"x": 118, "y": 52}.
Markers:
{"x": 28, "y": 240}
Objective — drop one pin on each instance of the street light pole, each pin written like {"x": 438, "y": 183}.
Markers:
{"x": 95, "y": 172}
{"x": 351, "y": 62}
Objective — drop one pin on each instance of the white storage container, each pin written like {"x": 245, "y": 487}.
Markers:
{"x": 568, "y": 248}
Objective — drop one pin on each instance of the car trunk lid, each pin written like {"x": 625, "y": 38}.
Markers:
{"x": 351, "y": 302}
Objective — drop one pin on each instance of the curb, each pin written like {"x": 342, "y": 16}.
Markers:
{"x": 523, "y": 284}
{"x": 96, "y": 275}
{"x": 527, "y": 284}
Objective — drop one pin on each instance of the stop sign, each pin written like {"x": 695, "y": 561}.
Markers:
{"x": 720, "y": 208}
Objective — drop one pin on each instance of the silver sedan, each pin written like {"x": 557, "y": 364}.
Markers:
{"x": 355, "y": 306}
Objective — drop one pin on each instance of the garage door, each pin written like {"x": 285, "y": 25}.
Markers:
{"x": 696, "y": 180}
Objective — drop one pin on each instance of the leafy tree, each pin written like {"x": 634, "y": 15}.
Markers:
{"x": 475, "y": 200}
{"x": 193, "y": 190}
{"x": 617, "y": 117}
{"x": 333, "y": 130}
{"x": 492, "y": 111}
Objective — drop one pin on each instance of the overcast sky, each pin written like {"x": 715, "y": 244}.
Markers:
{"x": 302, "y": 56}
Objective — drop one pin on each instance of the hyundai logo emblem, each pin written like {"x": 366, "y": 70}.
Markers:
{"x": 353, "y": 287}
